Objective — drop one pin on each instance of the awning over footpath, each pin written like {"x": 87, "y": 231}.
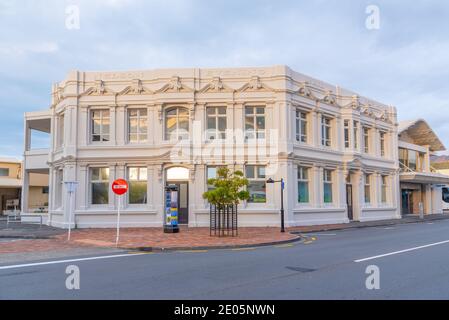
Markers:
{"x": 424, "y": 178}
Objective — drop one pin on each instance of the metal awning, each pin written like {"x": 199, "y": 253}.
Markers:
{"x": 424, "y": 178}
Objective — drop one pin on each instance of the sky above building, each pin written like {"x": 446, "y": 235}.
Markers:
{"x": 396, "y": 52}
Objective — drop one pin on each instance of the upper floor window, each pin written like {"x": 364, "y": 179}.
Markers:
{"x": 346, "y": 134}
{"x": 60, "y": 133}
{"x": 4, "y": 172}
{"x": 177, "y": 124}
{"x": 137, "y": 125}
{"x": 366, "y": 144}
{"x": 216, "y": 123}
{"x": 100, "y": 125}
{"x": 356, "y": 134}
{"x": 382, "y": 144}
{"x": 326, "y": 127}
{"x": 99, "y": 180}
{"x": 138, "y": 181}
{"x": 327, "y": 181}
{"x": 257, "y": 184}
{"x": 301, "y": 126}
{"x": 303, "y": 184}
{"x": 254, "y": 123}
{"x": 367, "y": 188}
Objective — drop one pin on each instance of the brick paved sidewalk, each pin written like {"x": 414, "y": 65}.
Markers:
{"x": 151, "y": 239}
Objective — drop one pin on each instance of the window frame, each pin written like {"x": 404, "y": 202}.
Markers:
{"x": 328, "y": 180}
{"x": 257, "y": 178}
{"x": 258, "y": 134}
{"x": 326, "y": 131}
{"x": 92, "y": 181}
{"x": 216, "y": 116}
{"x": 92, "y": 125}
{"x": 303, "y": 177}
{"x": 301, "y": 119}
{"x": 366, "y": 139}
{"x": 138, "y": 118}
{"x": 130, "y": 181}
{"x": 384, "y": 188}
{"x": 7, "y": 170}
{"x": 382, "y": 141}
{"x": 367, "y": 187}
{"x": 179, "y": 136}
{"x": 347, "y": 133}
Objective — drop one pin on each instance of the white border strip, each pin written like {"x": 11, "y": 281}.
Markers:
{"x": 69, "y": 261}
{"x": 402, "y": 251}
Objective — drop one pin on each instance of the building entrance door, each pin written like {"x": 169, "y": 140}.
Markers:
{"x": 407, "y": 202}
{"x": 349, "y": 202}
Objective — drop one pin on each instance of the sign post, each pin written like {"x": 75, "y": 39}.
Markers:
{"x": 119, "y": 187}
{"x": 171, "y": 209}
{"x": 70, "y": 186}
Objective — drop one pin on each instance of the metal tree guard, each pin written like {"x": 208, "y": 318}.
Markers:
{"x": 223, "y": 220}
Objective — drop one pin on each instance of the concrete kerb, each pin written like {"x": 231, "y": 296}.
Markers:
{"x": 225, "y": 247}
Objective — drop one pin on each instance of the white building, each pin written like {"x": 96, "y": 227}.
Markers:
{"x": 337, "y": 151}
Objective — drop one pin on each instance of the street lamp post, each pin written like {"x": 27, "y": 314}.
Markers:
{"x": 282, "y": 201}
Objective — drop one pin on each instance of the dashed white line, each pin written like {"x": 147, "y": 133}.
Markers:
{"x": 402, "y": 251}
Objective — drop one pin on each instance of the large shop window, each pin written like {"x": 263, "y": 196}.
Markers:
{"x": 100, "y": 125}
{"x": 137, "y": 125}
{"x": 327, "y": 179}
{"x": 99, "y": 180}
{"x": 257, "y": 184}
{"x": 303, "y": 184}
{"x": 254, "y": 123}
{"x": 138, "y": 182}
{"x": 216, "y": 123}
{"x": 177, "y": 124}
{"x": 301, "y": 126}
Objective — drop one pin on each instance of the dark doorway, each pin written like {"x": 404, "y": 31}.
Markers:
{"x": 349, "y": 202}
{"x": 183, "y": 201}
{"x": 407, "y": 202}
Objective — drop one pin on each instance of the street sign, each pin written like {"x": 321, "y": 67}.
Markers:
{"x": 120, "y": 187}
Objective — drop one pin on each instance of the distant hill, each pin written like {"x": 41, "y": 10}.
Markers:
{"x": 439, "y": 159}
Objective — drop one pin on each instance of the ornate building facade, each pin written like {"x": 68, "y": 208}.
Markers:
{"x": 336, "y": 151}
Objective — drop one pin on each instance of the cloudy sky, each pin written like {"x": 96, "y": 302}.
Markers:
{"x": 404, "y": 63}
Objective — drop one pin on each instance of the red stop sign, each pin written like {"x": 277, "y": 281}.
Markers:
{"x": 120, "y": 187}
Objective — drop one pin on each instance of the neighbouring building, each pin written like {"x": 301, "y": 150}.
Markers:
{"x": 336, "y": 150}
{"x": 421, "y": 185}
{"x": 11, "y": 188}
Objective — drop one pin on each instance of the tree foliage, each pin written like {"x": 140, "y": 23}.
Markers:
{"x": 228, "y": 188}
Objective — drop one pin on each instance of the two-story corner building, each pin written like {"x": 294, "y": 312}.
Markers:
{"x": 421, "y": 187}
{"x": 337, "y": 151}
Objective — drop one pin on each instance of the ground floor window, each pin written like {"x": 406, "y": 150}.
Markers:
{"x": 384, "y": 188}
{"x": 327, "y": 180}
{"x": 99, "y": 180}
{"x": 303, "y": 185}
{"x": 257, "y": 185}
{"x": 138, "y": 182}
{"x": 367, "y": 188}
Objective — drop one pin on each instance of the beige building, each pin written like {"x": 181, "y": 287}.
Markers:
{"x": 11, "y": 188}
{"x": 421, "y": 186}
{"x": 336, "y": 150}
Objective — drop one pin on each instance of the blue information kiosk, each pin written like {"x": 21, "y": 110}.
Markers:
{"x": 171, "y": 209}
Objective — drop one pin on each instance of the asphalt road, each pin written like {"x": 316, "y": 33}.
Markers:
{"x": 413, "y": 263}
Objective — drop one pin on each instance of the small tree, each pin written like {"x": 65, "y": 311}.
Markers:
{"x": 228, "y": 188}
{"x": 224, "y": 198}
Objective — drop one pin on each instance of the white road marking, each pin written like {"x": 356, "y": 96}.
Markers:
{"x": 68, "y": 261}
{"x": 402, "y": 251}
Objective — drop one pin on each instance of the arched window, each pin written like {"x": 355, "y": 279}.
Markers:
{"x": 176, "y": 123}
